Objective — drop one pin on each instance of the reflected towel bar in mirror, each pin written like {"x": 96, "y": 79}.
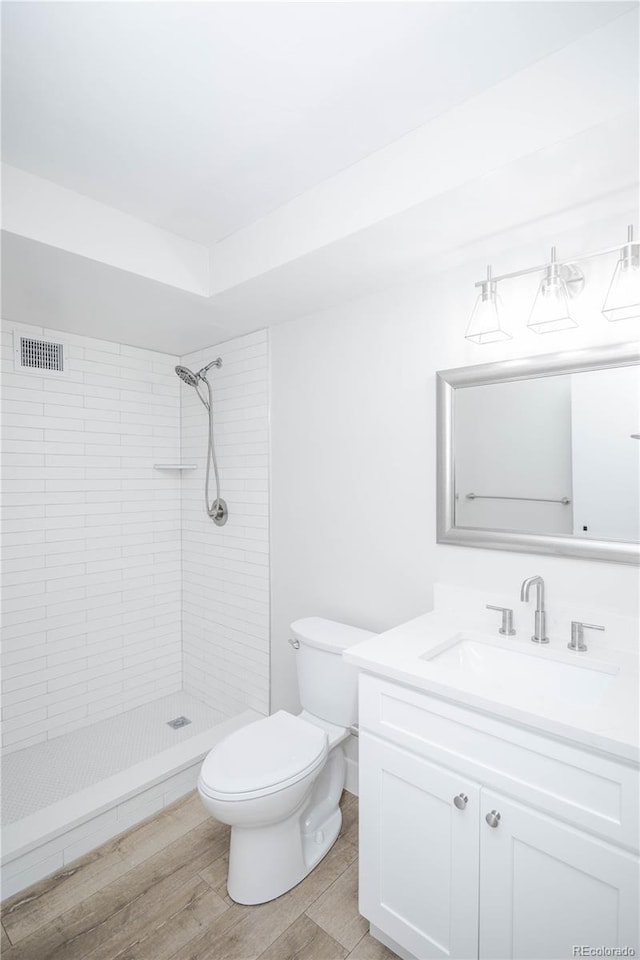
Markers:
{"x": 481, "y": 496}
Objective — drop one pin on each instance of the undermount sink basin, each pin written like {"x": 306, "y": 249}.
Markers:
{"x": 580, "y": 684}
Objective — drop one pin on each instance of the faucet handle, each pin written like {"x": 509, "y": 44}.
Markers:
{"x": 507, "y": 620}
{"x": 577, "y": 643}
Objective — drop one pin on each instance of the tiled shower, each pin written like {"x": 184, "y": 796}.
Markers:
{"x": 124, "y": 605}
{"x": 225, "y": 571}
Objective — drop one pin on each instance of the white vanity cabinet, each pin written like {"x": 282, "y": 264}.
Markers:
{"x": 557, "y": 869}
{"x": 546, "y": 887}
{"x": 419, "y": 854}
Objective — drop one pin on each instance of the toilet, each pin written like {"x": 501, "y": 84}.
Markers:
{"x": 278, "y": 781}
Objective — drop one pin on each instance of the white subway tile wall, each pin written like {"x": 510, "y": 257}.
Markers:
{"x": 226, "y": 569}
{"x": 91, "y": 536}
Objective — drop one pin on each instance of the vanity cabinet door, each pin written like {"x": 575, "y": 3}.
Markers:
{"x": 418, "y": 852}
{"x": 546, "y": 887}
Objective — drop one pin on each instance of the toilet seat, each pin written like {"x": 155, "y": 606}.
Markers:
{"x": 263, "y": 758}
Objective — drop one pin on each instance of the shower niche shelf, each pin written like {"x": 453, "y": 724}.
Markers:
{"x": 174, "y": 466}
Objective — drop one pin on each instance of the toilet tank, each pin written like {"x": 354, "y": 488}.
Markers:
{"x": 328, "y": 685}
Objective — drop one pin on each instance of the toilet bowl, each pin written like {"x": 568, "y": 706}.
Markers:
{"x": 278, "y": 781}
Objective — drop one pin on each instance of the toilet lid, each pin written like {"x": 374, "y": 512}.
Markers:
{"x": 266, "y": 755}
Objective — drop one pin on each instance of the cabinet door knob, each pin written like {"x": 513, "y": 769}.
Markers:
{"x": 493, "y": 818}
{"x": 461, "y": 801}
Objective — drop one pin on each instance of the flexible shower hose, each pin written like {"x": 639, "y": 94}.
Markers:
{"x": 214, "y": 508}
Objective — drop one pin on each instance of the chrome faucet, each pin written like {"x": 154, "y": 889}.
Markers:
{"x": 539, "y": 632}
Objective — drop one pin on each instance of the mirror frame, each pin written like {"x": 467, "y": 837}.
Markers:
{"x": 555, "y": 364}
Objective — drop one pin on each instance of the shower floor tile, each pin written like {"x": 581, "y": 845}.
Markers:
{"x": 48, "y": 772}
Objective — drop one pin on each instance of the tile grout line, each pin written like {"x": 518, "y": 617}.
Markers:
{"x": 357, "y": 945}
{"x": 198, "y": 934}
{"x": 181, "y": 499}
{"x": 7, "y": 935}
{"x": 326, "y": 889}
{"x": 292, "y": 924}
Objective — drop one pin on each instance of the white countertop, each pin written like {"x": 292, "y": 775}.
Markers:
{"x": 610, "y": 724}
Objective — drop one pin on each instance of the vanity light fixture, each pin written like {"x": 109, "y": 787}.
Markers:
{"x": 562, "y": 281}
{"x": 485, "y": 325}
{"x": 622, "y": 301}
{"x": 551, "y": 307}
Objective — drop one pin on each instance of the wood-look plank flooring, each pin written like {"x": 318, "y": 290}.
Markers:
{"x": 159, "y": 892}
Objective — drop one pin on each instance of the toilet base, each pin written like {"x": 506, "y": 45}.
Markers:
{"x": 266, "y": 862}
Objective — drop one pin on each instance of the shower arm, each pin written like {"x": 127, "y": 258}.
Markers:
{"x": 214, "y": 363}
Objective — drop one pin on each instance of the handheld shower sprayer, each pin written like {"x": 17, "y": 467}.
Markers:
{"x": 191, "y": 378}
{"x": 217, "y": 510}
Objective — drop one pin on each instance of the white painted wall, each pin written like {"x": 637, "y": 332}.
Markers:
{"x": 226, "y": 569}
{"x": 91, "y": 537}
{"x": 353, "y": 451}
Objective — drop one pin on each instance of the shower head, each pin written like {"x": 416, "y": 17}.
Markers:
{"x": 191, "y": 379}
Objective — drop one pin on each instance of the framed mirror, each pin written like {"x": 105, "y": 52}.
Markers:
{"x": 542, "y": 455}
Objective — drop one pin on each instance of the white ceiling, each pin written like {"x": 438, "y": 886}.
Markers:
{"x": 203, "y": 117}
{"x": 586, "y": 178}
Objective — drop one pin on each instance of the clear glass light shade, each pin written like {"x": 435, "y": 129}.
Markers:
{"x": 485, "y": 325}
{"x": 551, "y": 307}
{"x": 622, "y": 301}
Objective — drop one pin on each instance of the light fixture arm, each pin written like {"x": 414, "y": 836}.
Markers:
{"x": 488, "y": 286}
{"x": 561, "y": 281}
{"x": 629, "y": 252}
